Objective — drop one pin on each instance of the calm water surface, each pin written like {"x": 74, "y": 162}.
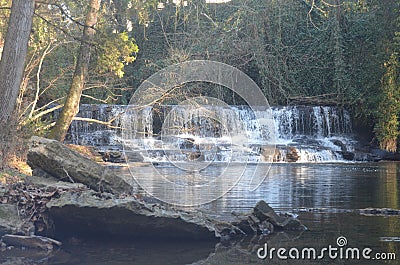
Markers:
{"x": 325, "y": 196}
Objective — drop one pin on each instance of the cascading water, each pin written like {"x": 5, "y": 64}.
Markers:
{"x": 302, "y": 133}
{"x": 91, "y": 133}
{"x": 313, "y": 134}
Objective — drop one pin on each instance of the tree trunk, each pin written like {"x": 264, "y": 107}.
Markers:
{"x": 12, "y": 62}
{"x": 71, "y": 106}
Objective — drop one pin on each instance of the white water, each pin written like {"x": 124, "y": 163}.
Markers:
{"x": 222, "y": 134}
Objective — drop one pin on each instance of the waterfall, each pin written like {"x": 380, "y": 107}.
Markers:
{"x": 93, "y": 133}
{"x": 314, "y": 121}
{"x": 223, "y": 133}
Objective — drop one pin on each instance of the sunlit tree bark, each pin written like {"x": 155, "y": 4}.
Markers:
{"x": 71, "y": 106}
{"x": 14, "y": 54}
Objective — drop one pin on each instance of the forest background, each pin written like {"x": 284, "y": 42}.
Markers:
{"x": 331, "y": 52}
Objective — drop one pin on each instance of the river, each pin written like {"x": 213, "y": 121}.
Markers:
{"x": 326, "y": 197}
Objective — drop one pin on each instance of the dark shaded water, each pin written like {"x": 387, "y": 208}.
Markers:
{"x": 325, "y": 196}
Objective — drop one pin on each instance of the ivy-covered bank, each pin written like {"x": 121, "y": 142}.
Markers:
{"x": 341, "y": 52}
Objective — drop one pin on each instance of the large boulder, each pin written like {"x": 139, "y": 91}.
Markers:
{"x": 88, "y": 212}
{"x": 59, "y": 161}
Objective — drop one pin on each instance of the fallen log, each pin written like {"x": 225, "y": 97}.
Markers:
{"x": 59, "y": 161}
{"x": 319, "y": 100}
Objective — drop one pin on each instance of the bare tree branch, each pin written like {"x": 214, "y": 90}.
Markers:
{"x": 107, "y": 123}
{"x": 105, "y": 101}
{"x": 36, "y": 99}
{"x": 63, "y": 30}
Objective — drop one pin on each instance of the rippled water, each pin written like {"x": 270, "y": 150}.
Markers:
{"x": 326, "y": 186}
{"x": 325, "y": 196}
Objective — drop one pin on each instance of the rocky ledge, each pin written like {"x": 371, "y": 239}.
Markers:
{"x": 86, "y": 212}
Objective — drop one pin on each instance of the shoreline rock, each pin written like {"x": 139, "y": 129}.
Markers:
{"x": 59, "y": 161}
{"x": 92, "y": 213}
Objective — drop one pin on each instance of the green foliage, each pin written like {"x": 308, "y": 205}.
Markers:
{"x": 387, "y": 127}
{"x": 290, "y": 48}
{"x": 276, "y": 42}
{"x": 4, "y": 14}
{"x": 116, "y": 51}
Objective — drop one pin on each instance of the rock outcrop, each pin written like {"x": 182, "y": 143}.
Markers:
{"x": 264, "y": 220}
{"x": 59, "y": 161}
{"x": 90, "y": 213}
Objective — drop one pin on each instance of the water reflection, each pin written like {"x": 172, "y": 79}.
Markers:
{"x": 388, "y": 189}
{"x": 290, "y": 186}
{"x": 325, "y": 197}
{"x": 96, "y": 252}
{"x": 325, "y": 186}
{"x": 388, "y": 195}
{"x": 176, "y": 186}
